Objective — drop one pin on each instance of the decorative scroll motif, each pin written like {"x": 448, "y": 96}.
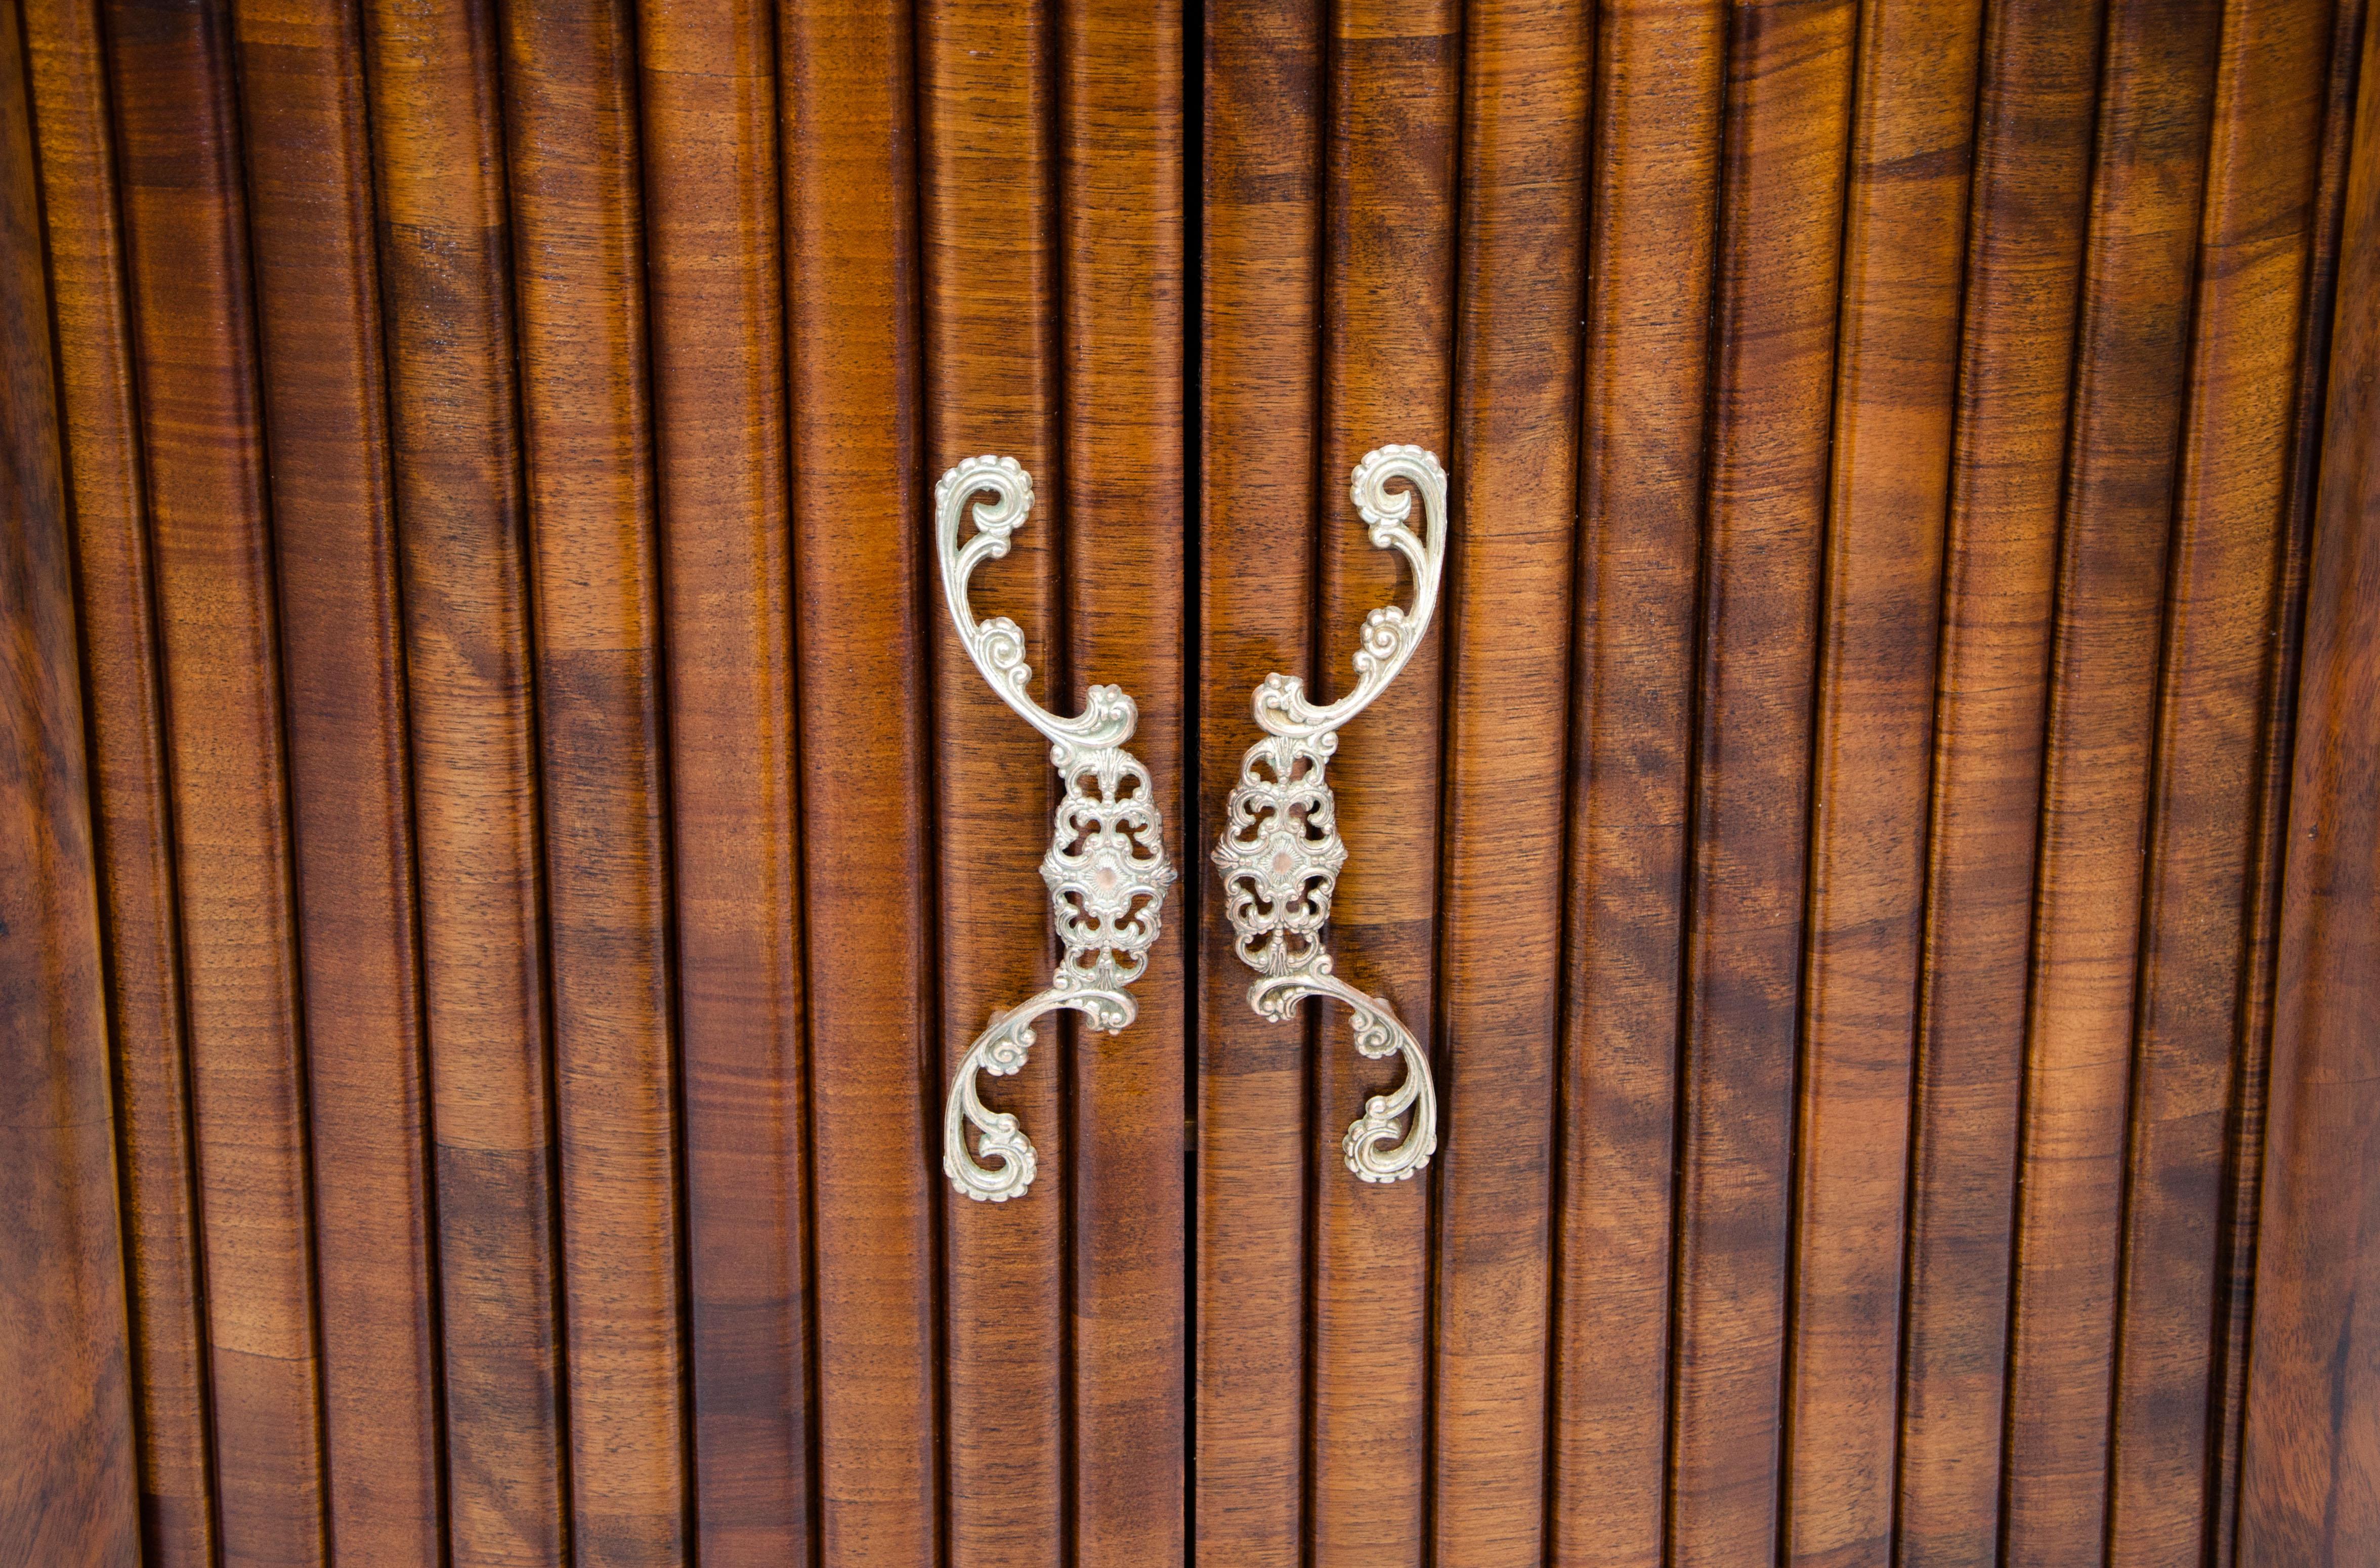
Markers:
{"x": 1280, "y": 851}
{"x": 1106, "y": 865}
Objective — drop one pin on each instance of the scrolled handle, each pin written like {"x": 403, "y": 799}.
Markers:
{"x": 1279, "y": 853}
{"x": 1105, "y": 866}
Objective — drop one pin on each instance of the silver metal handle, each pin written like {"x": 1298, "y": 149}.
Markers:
{"x": 1106, "y": 864}
{"x": 1280, "y": 851}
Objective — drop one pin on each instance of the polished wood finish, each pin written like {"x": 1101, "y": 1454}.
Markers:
{"x": 1260, "y": 382}
{"x": 65, "y": 1441}
{"x": 343, "y": 724}
{"x": 1848, "y": 841}
{"x": 131, "y": 810}
{"x": 2312, "y": 1451}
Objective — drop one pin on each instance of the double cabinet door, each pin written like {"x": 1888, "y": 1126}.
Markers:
{"x": 1668, "y": 633}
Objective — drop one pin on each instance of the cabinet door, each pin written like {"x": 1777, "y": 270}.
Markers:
{"x": 514, "y": 851}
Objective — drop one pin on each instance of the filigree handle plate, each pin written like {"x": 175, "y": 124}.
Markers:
{"x": 1105, "y": 866}
{"x": 1281, "y": 852}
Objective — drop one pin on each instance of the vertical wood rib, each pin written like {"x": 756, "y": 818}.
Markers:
{"x": 133, "y": 815}
{"x": 2245, "y": 1157}
{"x": 186, "y": 244}
{"x": 1652, "y": 199}
{"x": 1789, "y": 100}
{"x": 1394, "y": 90}
{"x": 2311, "y": 1465}
{"x": 577, "y": 233}
{"x": 2130, "y": 366}
{"x": 708, "y": 90}
{"x": 1120, "y": 134}
{"x": 2220, "y": 636}
{"x": 1263, "y": 232}
{"x": 2024, "y": 246}
{"x": 437, "y": 136}
{"x": 987, "y": 181}
{"x": 859, "y": 522}
{"x": 1527, "y": 74}
{"x": 319, "y": 320}
{"x": 67, "y": 1443}
{"x": 1896, "y": 377}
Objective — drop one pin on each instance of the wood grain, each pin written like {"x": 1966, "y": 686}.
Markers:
{"x": 1394, "y": 84}
{"x": 1260, "y": 387}
{"x": 1896, "y": 379}
{"x": 860, "y": 489}
{"x": 1788, "y": 111}
{"x": 572, "y": 162}
{"x": 989, "y": 244}
{"x": 2220, "y": 636}
{"x": 188, "y": 260}
{"x": 1653, "y": 173}
{"x": 438, "y": 180}
{"x": 707, "y": 84}
{"x": 2155, "y": 93}
{"x": 2313, "y": 1450}
{"x": 132, "y": 814}
{"x": 2033, "y": 119}
{"x": 1119, "y": 227}
{"x": 319, "y": 320}
{"x": 1527, "y": 76}
{"x": 2243, "y": 1178}
{"x": 67, "y": 1481}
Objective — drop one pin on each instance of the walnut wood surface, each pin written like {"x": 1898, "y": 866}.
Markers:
{"x": 1653, "y": 192}
{"x": 2131, "y": 354}
{"x": 68, "y": 1476}
{"x": 319, "y": 318}
{"x": 1861, "y": 841}
{"x": 2311, "y": 1449}
{"x": 1122, "y": 506}
{"x": 988, "y": 172}
{"x": 130, "y": 808}
{"x": 1896, "y": 377}
{"x": 1788, "y": 111}
{"x": 193, "y": 315}
{"x": 445, "y": 239}
{"x": 707, "y": 85}
{"x": 845, "y": 108}
{"x": 1391, "y": 122}
{"x": 1259, "y": 497}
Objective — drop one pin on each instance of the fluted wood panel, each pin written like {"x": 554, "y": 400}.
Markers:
{"x": 1846, "y": 843}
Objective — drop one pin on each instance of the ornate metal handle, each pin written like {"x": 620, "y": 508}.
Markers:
{"x": 1106, "y": 863}
{"x": 1280, "y": 851}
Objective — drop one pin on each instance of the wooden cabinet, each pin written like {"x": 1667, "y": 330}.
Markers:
{"x": 503, "y": 847}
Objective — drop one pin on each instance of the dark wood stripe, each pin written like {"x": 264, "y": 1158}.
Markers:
{"x": 1120, "y": 215}
{"x": 1788, "y": 110}
{"x": 707, "y": 87}
{"x": 1896, "y": 380}
{"x": 1387, "y": 360}
{"x": 133, "y": 815}
{"x": 67, "y": 1446}
{"x": 989, "y": 175}
{"x": 859, "y": 522}
{"x": 1653, "y": 196}
{"x": 571, "y": 160}
{"x": 2311, "y": 1456}
{"x": 445, "y": 243}
{"x": 1528, "y": 81}
{"x": 2155, "y": 93}
{"x": 2025, "y": 249}
{"x": 186, "y": 249}
{"x": 319, "y": 320}
{"x": 2221, "y": 596}
{"x": 2245, "y": 1158}
{"x": 1263, "y": 222}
